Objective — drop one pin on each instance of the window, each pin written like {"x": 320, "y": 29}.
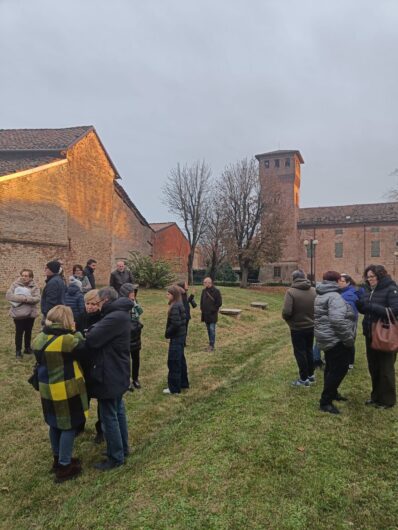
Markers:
{"x": 338, "y": 231}
{"x": 266, "y": 164}
{"x": 287, "y": 162}
{"x": 277, "y": 272}
{"x": 375, "y": 229}
{"x": 277, "y": 162}
{"x": 338, "y": 250}
{"x": 375, "y": 249}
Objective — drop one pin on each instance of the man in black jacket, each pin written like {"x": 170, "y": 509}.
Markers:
{"x": 210, "y": 303}
{"x": 89, "y": 271}
{"x": 54, "y": 290}
{"x": 110, "y": 372}
{"x": 120, "y": 276}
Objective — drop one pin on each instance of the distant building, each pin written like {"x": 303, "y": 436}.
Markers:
{"x": 342, "y": 238}
{"x": 171, "y": 245}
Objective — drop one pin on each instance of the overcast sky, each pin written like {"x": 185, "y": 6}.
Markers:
{"x": 167, "y": 81}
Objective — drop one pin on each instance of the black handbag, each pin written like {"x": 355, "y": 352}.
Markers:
{"x": 34, "y": 378}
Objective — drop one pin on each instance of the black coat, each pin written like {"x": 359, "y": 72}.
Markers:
{"x": 88, "y": 271}
{"x": 210, "y": 303}
{"x": 188, "y": 301}
{"x": 176, "y": 321}
{"x": 373, "y": 303}
{"x": 87, "y": 320}
{"x": 53, "y": 293}
{"x": 109, "y": 339}
{"x": 117, "y": 279}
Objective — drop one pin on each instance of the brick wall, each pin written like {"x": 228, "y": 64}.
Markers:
{"x": 172, "y": 245}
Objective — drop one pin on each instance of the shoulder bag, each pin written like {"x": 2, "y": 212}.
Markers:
{"x": 34, "y": 378}
{"x": 385, "y": 333}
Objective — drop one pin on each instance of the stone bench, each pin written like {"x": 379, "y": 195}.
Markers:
{"x": 231, "y": 312}
{"x": 259, "y": 305}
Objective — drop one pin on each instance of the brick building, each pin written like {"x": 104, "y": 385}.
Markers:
{"x": 60, "y": 198}
{"x": 342, "y": 238}
{"x": 171, "y": 244}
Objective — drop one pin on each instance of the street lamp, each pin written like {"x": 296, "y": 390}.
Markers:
{"x": 311, "y": 245}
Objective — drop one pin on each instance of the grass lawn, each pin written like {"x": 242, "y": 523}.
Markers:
{"x": 242, "y": 449}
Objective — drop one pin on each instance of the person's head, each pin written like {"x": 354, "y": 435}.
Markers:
{"x": 61, "y": 314}
{"x": 208, "y": 282}
{"x": 106, "y": 295}
{"x": 331, "y": 276}
{"x": 120, "y": 265}
{"x": 52, "y": 267}
{"x": 92, "y": 264}
{"x": 298, "y": 274}
{"x": 129, "y": 290}
{"x": 183, "y": 285}
{"x": 345, "y": 280}
{"x": 373, "y": 274}
{"x": 26, "y": 275}
{"x": 174, "y": 293}
{"x": 75, "y": 281}
{"x": 78, "y": 271}
{"x": 91, "y": 301}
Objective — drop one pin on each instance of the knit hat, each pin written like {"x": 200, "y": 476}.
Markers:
{"x": 128, "y": 288}
{"x": 75, "y": 281}
{"x": 54, "y": 266}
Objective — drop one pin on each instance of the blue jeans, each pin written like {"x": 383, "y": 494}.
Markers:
{"x": 211, "y": 331}
{"x": 114, "y": 426}
{"x": 62, "y": 444}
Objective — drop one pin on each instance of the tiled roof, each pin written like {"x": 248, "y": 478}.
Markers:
{"x": 126, "y": 199}
{"x": 40, "y": 139}
{"x": 281, "y": 152}
{"x": 157, "y": 227}
{"x": 350, "y": 214}
{"x": 11, "y": 164}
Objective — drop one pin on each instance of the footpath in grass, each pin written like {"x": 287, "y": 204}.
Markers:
{"x": 241, "y": 449}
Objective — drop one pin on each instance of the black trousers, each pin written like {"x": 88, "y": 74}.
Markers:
{"x": 302, "y": 341}
{"x": 177, "y": 365}
{"x": 135, "y": 363}
{"x": 382, "y": 373}
{"x": 336, "y": 368}
{"x": 23, "y": 328}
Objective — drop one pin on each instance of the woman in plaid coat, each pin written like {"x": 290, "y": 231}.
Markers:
{"x": 62, "y": 388}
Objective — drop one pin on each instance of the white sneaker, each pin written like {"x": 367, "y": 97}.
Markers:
{"x": 350, "y": 366}
{"x": 299, "y": 382}
{"x": 311, "y": 379}
{"x": 166, "y": 391}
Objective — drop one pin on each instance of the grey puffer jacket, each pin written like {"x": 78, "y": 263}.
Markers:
{"x": 334, "y": 319}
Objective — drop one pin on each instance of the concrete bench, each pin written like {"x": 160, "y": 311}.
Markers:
{"x": 231, "y": 312}
{"x": 259, "y": 305}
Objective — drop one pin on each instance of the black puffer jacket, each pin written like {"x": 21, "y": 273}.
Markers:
{"x": 109, "y": 339}
{"x": 53, "y": 293}
{"x": 176, "y": 321}
{"x": 373, "y": 304}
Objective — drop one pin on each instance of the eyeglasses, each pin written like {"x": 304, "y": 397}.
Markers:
{"x": 370, "y": 276}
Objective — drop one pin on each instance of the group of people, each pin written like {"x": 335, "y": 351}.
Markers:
{"x": 89, "y": 345}
{"x": 329, "y": 314}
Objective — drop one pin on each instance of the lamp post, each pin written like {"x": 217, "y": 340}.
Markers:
{"x": 311, "y": 245}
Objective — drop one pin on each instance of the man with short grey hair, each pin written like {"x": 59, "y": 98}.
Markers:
{"x": 298, "y": 312}
{"x": 109, "y": 376}
{"x": 120, "y": 276}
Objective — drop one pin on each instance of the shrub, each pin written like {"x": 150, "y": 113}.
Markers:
{"x": 150, "y": 272}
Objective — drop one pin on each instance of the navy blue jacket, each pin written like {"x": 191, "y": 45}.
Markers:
{"x": 109, "y": 340}
{"x": 53, "y": 293}
{"x": 75, "y": 300}
{"x": 351, "y": 295}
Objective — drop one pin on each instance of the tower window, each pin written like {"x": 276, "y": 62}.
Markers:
{"x": 277, "y": 162}
{"x": 338, "y": 250}
{"x": 338, "y": 231}
{"x": 375, "y": 229}
{"x": 287, "y": 162}
{"x": 375, "y": 249}
{"x": 266, "y": 163}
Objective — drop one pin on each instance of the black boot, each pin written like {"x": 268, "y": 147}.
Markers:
{"x": 18, "y": 355}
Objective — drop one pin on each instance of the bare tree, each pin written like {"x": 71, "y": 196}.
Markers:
{"x": 243, "y": 209}
{"x": 213, "y": 241}
{"x": 186, "y": 194}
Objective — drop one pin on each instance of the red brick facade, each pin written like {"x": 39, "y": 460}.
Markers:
{"x": 171, "y": 245}
{"x": 70, "y": 209}
{"x": 348, "y": 237}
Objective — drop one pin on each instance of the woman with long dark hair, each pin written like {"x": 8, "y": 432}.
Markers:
{"x": 176, "y": 332}
{"x": 382, "y": 293}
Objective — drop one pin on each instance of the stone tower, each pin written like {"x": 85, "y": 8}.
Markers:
{"x": 280, "y": 184}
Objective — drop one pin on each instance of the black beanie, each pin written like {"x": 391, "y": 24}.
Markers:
{"x": 54, "y": 266}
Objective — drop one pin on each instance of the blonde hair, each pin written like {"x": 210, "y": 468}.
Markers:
{"x": 91, "y": 295}
{"x": 61, "y": 314}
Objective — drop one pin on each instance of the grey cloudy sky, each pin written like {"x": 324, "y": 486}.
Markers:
{"x": 165, "y": 81}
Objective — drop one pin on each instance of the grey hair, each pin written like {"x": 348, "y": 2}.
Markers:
{"x": 109, "y": 293}
{"x": 298, "y": 274}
